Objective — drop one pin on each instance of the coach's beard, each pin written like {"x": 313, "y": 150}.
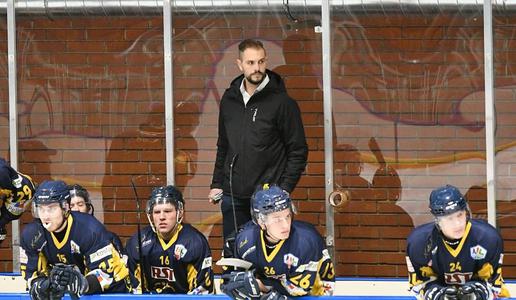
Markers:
{"x": 256, "y": 82}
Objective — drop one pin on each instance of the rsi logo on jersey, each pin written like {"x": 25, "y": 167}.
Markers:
{"x": 457, "y": 278}
{"x": 163, "y": 273}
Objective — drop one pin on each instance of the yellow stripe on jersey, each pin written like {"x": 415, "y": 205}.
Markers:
{"x": 277, "y": 248}
{"x": 137, "y": 275}
{"x": 191, "y": 277}
{"x": 456, "y": 251}
{"x": 166, "y": 245}
{"x": 486, "y": 271}
{"x": 42, "y": 264}
{"x": 427, "y": 271}
{"x": 317, "y": 289}
{"x": 120, "y": 270}
{"x": 58, "y": 244}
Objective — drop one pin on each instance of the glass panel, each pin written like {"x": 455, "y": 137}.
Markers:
{"x": 92, "y": 113}
{"x": 408, "y": 105}
{"x": 4, "y": 88}
{"x": 5, "y": 260}
{"x": 505, "y": 136}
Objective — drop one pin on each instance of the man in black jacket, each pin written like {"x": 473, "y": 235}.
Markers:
{"x": 261, "y": 137}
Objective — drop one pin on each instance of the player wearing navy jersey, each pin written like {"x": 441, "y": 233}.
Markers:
{"x": 80, "y": 201}
{"x": 16, "y": 189}
{"x": 68, "y": 252}
{"x": 175, "y": 257}
{"x": 455, "y": 257}
{"x": 288, "y": 257}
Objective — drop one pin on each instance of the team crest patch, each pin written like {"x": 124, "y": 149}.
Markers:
{"x": 179, "y": 251}
{"x": 74, "y": 247}
{"x": 290, "y": 260}
{"x": 478, "y": 252}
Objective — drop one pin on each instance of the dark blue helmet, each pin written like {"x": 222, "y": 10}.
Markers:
{"x": 268, "y": 199}
{"x": 446, "y": 200}
{"x": 50, "y": 191}
{"x": 165, "y": 194}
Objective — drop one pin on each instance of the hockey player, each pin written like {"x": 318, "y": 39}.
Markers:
{"x": 68, "y": 252}
{"x": 175, "y": 257}
{"x": 80, "y": 199}
{"x": 288, "y": 257}
{"x": 455, "y": 257}
{"x": 16, "y": 189}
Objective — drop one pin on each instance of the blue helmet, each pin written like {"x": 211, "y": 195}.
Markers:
{"x": 268, "y": 199}
{"x": 165, "y": 194}
{"x": 446, "y": 200}
{"x": 50, "y": 191}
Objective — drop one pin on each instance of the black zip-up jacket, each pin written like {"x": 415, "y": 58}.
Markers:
{"x": 265, "y": 139}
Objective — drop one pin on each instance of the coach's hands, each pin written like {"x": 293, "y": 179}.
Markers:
{"x": 69, "y": 279}
{"x": 42, "y": 289}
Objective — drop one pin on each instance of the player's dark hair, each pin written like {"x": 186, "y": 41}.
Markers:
{"x": 77, "y": 190}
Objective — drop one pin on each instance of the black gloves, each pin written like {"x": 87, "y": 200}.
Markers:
{"x": 241, "y": 285}
{"x": 42, "y": 289}
{"x": 474, "y": 290}
{"x": 438, "y": 292}
{"x": 69, "y": 279}
{"x": 273, "y": 295}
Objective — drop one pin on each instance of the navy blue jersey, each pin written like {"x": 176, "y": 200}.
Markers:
{"x": 86, "y": 244}
{"x": 477, "y": 257}
{"x": 297, "y": 266}
{"x": 16, "y": 189}
{"x": 179, "y": 266}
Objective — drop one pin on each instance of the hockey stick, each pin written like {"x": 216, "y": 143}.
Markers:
{"x": 140, "y": 255}
{"x": 233, "y": 199}
{"x": 234, "y": 262}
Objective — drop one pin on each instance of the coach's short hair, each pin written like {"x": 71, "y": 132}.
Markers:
{"x": 250, "y": 43}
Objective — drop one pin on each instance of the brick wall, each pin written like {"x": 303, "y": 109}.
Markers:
{"x": 91, "y": 110}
